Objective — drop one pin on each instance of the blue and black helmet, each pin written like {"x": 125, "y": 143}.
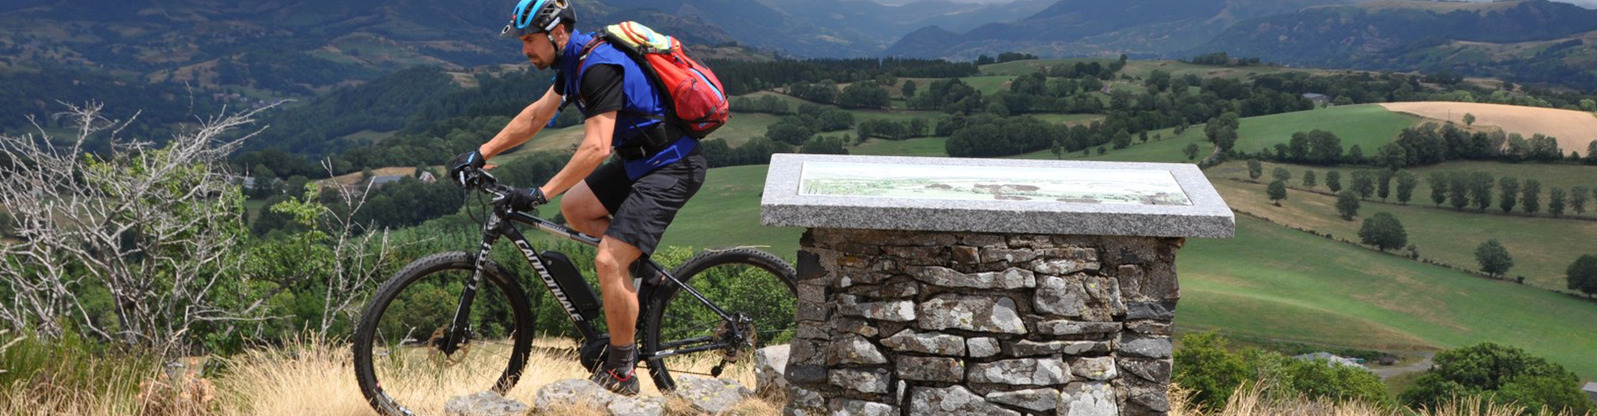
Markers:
{"x": 538, "y": 16}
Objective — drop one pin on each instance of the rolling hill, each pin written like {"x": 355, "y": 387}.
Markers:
{"x": 1530, "y": 41}
{"x": 1098, "y": 27}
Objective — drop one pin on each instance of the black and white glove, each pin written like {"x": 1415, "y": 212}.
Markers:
{"x": 466, "y": 161}
{"x": 526, "y": 199}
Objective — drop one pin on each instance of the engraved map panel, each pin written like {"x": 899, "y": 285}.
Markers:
{"x": 989, "y": 183}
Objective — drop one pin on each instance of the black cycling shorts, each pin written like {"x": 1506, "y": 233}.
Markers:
{"x": 640, "y": 211}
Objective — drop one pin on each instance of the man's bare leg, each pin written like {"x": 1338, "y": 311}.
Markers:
{"x": 584, "y": 211}
{"x": 615, "y": 282}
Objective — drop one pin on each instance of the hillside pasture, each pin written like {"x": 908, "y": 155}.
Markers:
{"x": 1542, "y": 247}
{"x": 1574, "y": 129}
{"x": 726, "y": 213}
{"x": 1277, "y": 283}
{"x": 1368, "y": 126}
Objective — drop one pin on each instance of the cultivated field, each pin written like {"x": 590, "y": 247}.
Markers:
{"x": 1574, "y": 129}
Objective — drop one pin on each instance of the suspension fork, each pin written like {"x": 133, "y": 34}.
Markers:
{"x": 460, "y": 326}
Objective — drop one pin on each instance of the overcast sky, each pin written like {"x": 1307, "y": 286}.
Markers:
{"x": 1590, "y": 4}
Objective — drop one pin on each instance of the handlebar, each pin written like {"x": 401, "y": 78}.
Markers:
{"x": 481, "y": 180}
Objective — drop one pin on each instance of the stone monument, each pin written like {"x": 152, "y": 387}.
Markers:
{"x": 943, "y": 286}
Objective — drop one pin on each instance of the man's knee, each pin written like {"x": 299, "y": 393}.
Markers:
{"x": 615, "y": 260}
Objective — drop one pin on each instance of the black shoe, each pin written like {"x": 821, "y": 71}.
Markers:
{"x": 622, "y": 381}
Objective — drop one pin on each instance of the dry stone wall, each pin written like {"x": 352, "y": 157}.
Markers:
{"x": 949, "y": 323}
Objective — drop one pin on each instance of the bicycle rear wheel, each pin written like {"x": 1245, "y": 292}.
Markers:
{"x": 403, "y": 362}
{"x": 745, "y": 283}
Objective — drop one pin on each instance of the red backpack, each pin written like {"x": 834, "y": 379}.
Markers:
{"x": 696, "y": 101}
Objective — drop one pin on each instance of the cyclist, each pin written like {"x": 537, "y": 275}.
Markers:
{"x": 653, "y": 166}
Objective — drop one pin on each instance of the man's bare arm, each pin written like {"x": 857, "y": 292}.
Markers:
{"x": 524, "y": 126}
{"x": 595, "y": 148}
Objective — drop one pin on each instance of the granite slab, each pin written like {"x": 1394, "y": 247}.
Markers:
{"x": 993, "y": 195}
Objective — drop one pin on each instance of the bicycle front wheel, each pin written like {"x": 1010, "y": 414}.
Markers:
{"x": 404, "y": 361}
{"x": 754, "y": 287}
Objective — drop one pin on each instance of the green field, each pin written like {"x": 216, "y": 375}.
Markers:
{"x": 1542, "y": 247}
{"x": 726, "y": 213}
{"x": 1278, "y": 283}
{"x": 1368, "y": 126}
{"x": 988, "y": 84}
{"x": 930, "y": 146}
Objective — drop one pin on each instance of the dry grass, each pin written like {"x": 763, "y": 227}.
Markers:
{"x": 1573, "y": 129}
{"x": 316, "y": 378}
{"x": 1249, "y": 401}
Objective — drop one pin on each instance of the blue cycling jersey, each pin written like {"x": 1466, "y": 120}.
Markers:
{"x": 641, "y": 101}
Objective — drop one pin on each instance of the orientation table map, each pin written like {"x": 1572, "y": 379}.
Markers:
{"x": 989, "y": 183}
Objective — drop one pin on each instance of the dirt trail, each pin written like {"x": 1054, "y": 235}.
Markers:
{"x": 1574, "y": 129}
{"x": 1397, "y": 370}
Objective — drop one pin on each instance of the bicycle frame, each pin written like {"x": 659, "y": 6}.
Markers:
{"x": 497, "y": 227}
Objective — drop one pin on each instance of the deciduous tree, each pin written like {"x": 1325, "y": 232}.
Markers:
{"x": 1383, "y": 231}
{"x": 1493, "y": 258}
{"x": 1347, "y": 204}
{"x": 1582, "y": 275}
{"x": 1277, "y": 191}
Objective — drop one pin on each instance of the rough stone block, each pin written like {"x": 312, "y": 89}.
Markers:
{"x": 1022, "y": 372}
{"x": 1012, "y": 256}
{"x": 892, "y": 311}
{"x": 888, "y": 290}
{"x": 1062, "y": 267}
{"x": 854, "y": 326}
{"x": 1159, "y": 311}
{"x": 1149, "y": 327}
{"x": 940, "y": 369}
{"x": 853, "y": 349}
{"x": 861, "y": 408}
{"x": 1150, "y": 370}
{"x": 972, "y": 313}
{"x": 926, "y": 342}
{"x": 1147, "y": 347}
{"x": 1013, "y": 278}
{"x": 1029, "y": 348}
{"x": 1079, "y": 296}
{"x": 1069, "y": 327}
{"x": 811, "y": 293}
{"x": 814, "y": 330}
{"x": 805, "y": 373}
{"x": 802, "y": 401}
{"x": 982, "y": 347}
{"x": 1094, "y": 368}
{"x": 1088, "y": 399}
{"x": 1041, "y": 400}
{"x": 863, "y": 381}
{"x": 807, "y": 352}
{"x": 952, "y": 401}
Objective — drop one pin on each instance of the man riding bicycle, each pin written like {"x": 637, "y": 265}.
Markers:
{"x": 631, "y": 199}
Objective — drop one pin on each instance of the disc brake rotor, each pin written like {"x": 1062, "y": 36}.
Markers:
{"x": 442, "y": 359}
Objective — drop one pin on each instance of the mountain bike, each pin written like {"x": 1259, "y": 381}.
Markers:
{"x": 433, "y": 331}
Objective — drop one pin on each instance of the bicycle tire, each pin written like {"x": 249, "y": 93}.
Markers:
{"x": 371, "y": 320}
{"x": 695, "y": 271}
